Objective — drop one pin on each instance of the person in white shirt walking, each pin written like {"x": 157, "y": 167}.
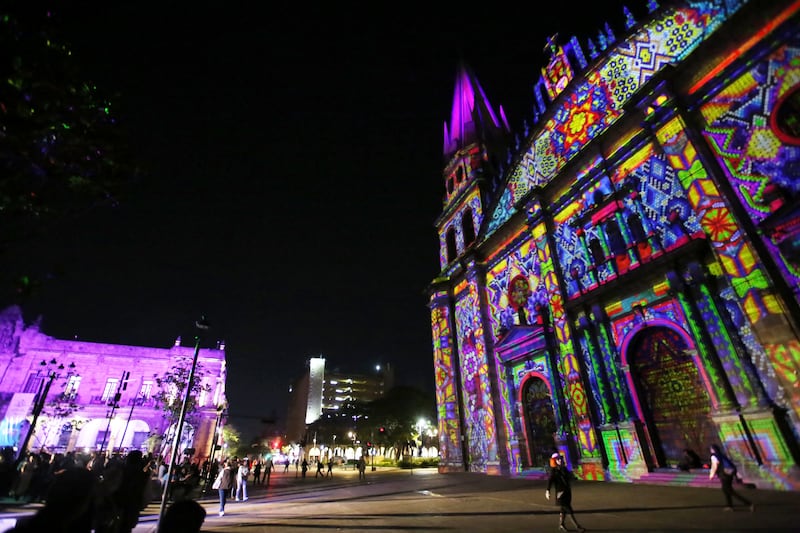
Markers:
{"x": 240, "y": 494}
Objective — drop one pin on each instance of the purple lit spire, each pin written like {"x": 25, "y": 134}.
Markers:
{"x": 472, "y": 117}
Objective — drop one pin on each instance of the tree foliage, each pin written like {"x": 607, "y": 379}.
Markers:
{"x": 233, "y": 439}
{"x": 389, "y": 421}
{"x": 63, "y": 153}
{"x": 61, "y": 148}
{"x": 172, "y": 390}
{"x": 397, "y": 413}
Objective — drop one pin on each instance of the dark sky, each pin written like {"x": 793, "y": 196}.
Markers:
{"x": 295, "y": 176}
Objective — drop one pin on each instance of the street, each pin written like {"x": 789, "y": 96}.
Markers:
{"x": 424, "y": 500}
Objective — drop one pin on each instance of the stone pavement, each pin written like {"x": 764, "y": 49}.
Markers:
{"x": 423, "y": 500}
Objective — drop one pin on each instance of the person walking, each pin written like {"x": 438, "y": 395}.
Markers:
{"x": 257, "y": 473}
{"x": 225, "y": 481}
{"x": 320, "y": 465}
{"x": 330, "y": 467}
{"x": 240, "y": 493}
{"x": 362, "y": 468}
{"x": 268, "y": 466}
{"x": 725, "y": 470}
{"x": 560, "y": 481}
{"x": 304, "y": 467}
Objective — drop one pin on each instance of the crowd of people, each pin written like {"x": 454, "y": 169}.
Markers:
{"x": 96, "y": 493}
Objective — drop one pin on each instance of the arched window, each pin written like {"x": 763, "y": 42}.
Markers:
{"x": 452, "y": 253}
{"x": 615, "y": 240}
{"x": 468, "y": 226}
{"x": 596, "y": 249}
{"x": 636, "y": 228}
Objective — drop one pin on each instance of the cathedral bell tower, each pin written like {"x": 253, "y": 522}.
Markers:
{"x": 475, "y": 141}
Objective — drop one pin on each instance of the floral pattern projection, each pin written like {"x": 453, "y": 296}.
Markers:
{"x": 598, "y": 101}
{"x": 521, "y": 264}
{"x": 759, "y": 158}
{"x": 445, "y": 372}
{"x": 479, "y": 414}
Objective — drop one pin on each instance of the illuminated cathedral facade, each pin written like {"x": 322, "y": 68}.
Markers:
{"x": 621, "y": 281}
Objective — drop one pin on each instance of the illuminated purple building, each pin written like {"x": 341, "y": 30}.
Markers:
{"x": 80, "y": 381}
{"x": 621, "y": 280}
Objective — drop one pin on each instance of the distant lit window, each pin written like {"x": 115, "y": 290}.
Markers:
{"x": 71, "y": 390}
{"x": 110, "y": 389}
{"x": 172, "y": 393}
{"x": 33, "y": 384}
{"x": 146, "y": 391}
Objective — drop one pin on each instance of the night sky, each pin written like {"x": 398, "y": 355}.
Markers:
{"x": 295, "y": 159}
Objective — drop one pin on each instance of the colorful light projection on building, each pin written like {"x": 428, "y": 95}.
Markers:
{"x": 752, "y": 129}
{"x": 445, "y": 373}
{"x": 568, "y": 364}
{"x": 597, "y": 101}
{"x": 756, "y": 155}
{"x": 477, "y": 402}
{"x": 460, "y": 228}
{"x": 523, "y": 262}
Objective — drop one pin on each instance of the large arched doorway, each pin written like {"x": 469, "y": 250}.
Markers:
{"x": 540, "y": 421}
{"x": 675, "y": 403}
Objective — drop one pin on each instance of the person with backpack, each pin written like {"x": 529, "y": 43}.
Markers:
{"x": 725, "y": 470}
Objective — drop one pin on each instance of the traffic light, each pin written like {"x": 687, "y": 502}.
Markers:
{"x": 369, "y": 445}
{"x": 382, "y": 430}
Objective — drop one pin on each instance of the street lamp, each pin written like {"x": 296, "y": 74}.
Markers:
{"x": 201, "y": 325}
{"x": 352, "y": 436}
{"x": 53, "y": 372}
{"x": 222, "y": 411}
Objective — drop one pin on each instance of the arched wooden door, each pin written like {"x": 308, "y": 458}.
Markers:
{"x": 540, "y": 421}
{"x": 675, "y": 403}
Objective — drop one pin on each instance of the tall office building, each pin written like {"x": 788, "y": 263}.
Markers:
{"x": 321, "y": 391}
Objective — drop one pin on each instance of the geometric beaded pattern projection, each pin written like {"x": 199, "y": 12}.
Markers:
{"x": 660, "y": 192}
{"x": 595, "y": 103}
{"x": 748, "y": 150}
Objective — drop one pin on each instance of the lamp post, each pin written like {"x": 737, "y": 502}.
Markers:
{"x": 44, "y": 390}
{"x": 221, "y": 411}
{"x": 201, "y": 325}
{"x": 352, "y": 436}
{"x": 113, "y": 403}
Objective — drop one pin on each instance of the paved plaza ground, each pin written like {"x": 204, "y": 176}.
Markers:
{"x": 423, "y": 500}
